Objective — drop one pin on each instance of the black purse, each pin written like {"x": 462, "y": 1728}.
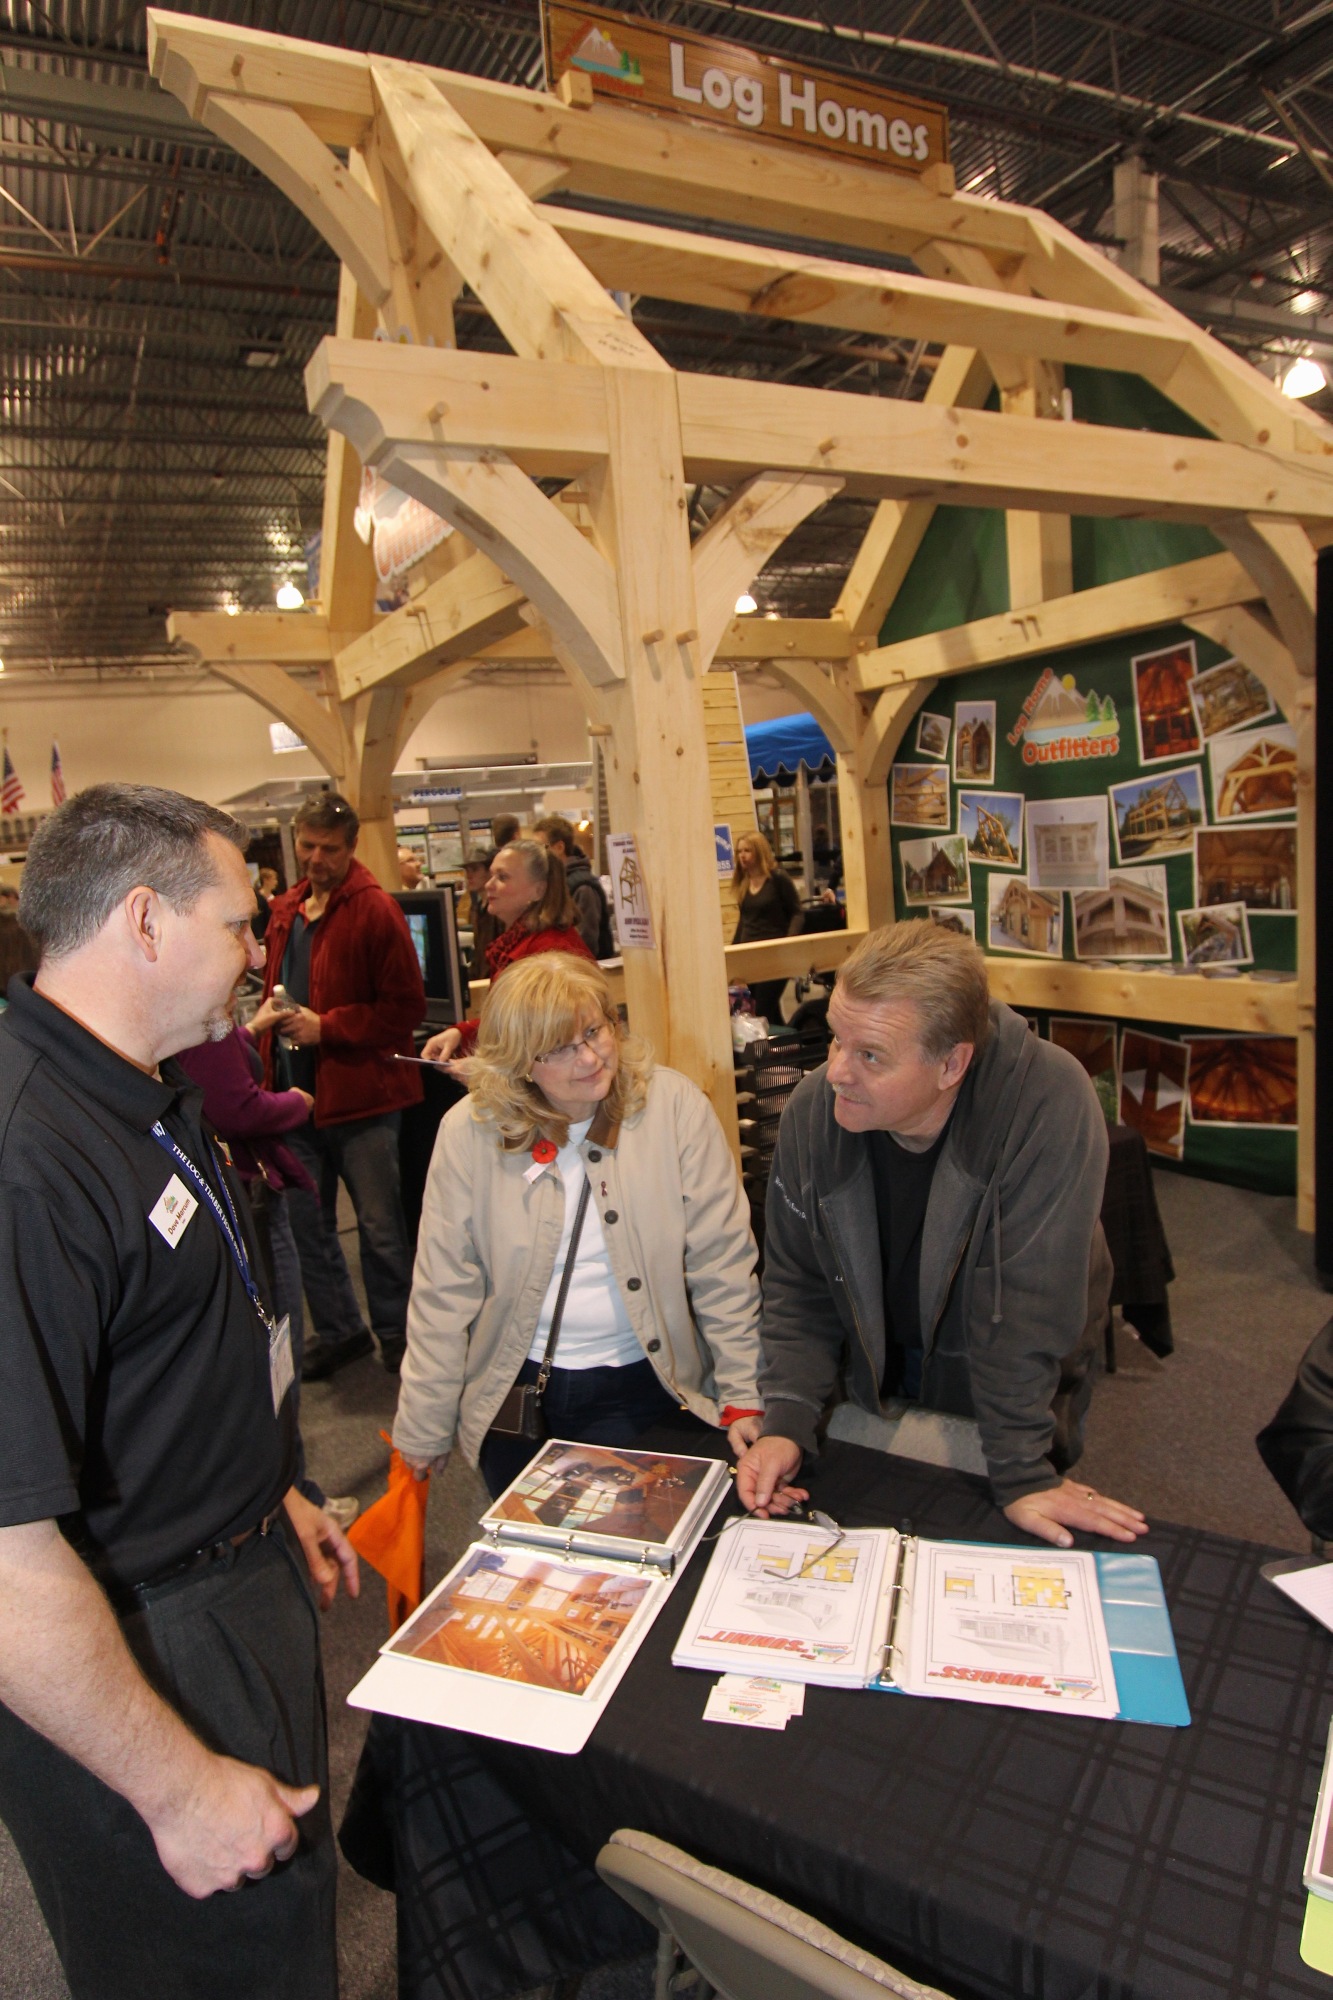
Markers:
{"x": 520, "y": 1414}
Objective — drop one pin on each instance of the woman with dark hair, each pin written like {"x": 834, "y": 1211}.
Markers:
{"x": 582, "y": 1194}
{"x": 527, "y": 895}
{"x": 768, "y": 906}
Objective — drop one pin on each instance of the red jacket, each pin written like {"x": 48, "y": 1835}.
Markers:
{"x": 365, "y": 985}
{"x": 516, "y": 943}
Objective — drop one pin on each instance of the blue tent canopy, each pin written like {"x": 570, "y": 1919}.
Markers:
{"x": 778, "y": 749}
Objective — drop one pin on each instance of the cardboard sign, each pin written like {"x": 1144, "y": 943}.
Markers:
{"x": 634, "y": 919}
{"x": 744, "y": 89}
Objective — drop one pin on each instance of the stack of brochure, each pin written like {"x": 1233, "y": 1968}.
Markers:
{"x": 531, "y": 1631}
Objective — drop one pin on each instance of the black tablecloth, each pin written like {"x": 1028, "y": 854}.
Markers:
{"x": 994, "y": 1852}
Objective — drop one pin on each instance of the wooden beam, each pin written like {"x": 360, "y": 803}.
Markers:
{"x": 452, "y": 619}
{"x": 741, "y": 537}
{"x": 1252, "y": 637}
{"x": 291, "y": 638}
{"x": 423, "y": 284}
{"x": 1038, "y": 547}
{"x": 1108, "y": 611}
{"x": 732, "y": 429}
{"x": 347, "y": 581}
{"x": 1280, "y": 557}
{"x": 747, "y": 640}
{"x": 743, "y": 278}
{"x": 1243, "y": 1006}
{"x": 836, "y": 713}
{"x": 278, "y": 141}
{"x": 886, "y": 727}
{"x": 545, "y": 303}
{"x": 275, "y": 690}
{"x": 961, "y": 381}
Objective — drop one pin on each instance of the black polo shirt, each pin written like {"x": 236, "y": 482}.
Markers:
{"x": 135, "y": 1400}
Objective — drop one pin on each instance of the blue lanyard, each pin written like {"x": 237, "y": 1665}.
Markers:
{"x": 228, "y": 1223}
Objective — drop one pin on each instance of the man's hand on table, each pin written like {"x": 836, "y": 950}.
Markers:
{"x": 1051, "y": 1515}
{"x": 225, "y": 1823}
{"x": 328, "y": 1553}
{"x": 762, "y": 1475}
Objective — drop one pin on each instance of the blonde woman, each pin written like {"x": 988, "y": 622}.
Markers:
{"x": 769, "y": 906}
{"x": 662, "y": 1304}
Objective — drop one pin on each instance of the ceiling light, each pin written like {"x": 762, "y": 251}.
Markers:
{"x": 232, "y": 608}
{"x": 1306, "y": 302}
{"x": 745, "y": 604}
{"x": 2, "y": 666}
{"x": 290, "y": 599}
{"x": 1304, "y": 378}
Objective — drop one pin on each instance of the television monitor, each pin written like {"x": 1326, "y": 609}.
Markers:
{"x": 433, "y": 926}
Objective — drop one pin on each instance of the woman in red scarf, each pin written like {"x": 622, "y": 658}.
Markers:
{"x": 527, "y": 896}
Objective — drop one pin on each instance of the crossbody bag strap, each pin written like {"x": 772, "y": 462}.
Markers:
{"x": 544, "y": 1372}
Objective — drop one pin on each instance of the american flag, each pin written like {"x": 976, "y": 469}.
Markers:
{"x": 57, "y": 777}
{"x": 11, "y": 791}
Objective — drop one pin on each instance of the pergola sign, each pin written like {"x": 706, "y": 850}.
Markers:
{"x": 423, "y": 180}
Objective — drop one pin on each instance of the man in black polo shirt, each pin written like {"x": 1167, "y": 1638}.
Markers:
{"x": 162, "y": 1726}
{"x": 934, "y": 1257}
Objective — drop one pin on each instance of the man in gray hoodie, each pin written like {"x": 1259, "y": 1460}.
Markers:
{"x": 933, "y": 1234}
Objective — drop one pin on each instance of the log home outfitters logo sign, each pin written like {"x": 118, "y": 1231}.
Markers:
{"x": 725, "y": 83}
{"x": 1061, "y": 725}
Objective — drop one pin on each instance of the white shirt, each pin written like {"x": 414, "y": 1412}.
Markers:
{"x": 595, "y": 1331}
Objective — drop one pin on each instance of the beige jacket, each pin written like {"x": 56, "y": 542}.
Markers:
{"x": 677, "y": 1230}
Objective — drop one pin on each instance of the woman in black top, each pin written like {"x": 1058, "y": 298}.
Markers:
{"x": 769, "y": 906}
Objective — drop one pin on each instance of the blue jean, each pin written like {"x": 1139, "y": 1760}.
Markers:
{"x": 363, "y": 1154}
{"x": 586, "y": 1405}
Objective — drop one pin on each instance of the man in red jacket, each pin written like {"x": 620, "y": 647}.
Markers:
{"x": 339, "y": 947}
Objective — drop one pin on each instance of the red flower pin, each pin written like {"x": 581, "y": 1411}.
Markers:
{"x": 544, "y": 1152}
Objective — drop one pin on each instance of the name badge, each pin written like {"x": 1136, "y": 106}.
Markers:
{"x": 173, "y": 1211}
{"x": 281, "y": 1368}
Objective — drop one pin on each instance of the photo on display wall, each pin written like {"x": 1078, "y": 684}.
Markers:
{"x": 1167, "y": 724}
{"x": 1021, "y": 918}
{"x": 1154, "y": 1081}
{"x": 992, "y": 825}
{"x": 1068, "y": 844}
{"x": 1216, "y": 936}
{"x": 1158, "y": 815}
{"x": 1253, "y": 865}
{"x": 961, "y": 920}
{"x": 1245, "y": 1080}
{"x": 1227, "y": 697}
{"x": 1129, "y": 918}
{"x": 932, "y": 734}
{"x": 935, "y": 871}
{"x": 919, "y": 796}
{"x": 1254, "y": 773}
{"x": 974, "y": 742}
{"x": 1092, "y": 1045}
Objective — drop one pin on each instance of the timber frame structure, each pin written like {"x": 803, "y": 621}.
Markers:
{"x": 425, "y": 180}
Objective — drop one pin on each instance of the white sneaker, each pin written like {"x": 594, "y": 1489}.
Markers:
{"x": 344, "y": 1510}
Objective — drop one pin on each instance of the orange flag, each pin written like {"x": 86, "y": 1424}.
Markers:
{"x": 391, "y": 1535}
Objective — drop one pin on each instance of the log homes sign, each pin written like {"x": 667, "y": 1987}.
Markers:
{"x": 670, "y": 69}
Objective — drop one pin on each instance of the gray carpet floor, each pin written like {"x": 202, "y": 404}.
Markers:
{"x": 1175, "y": 1437}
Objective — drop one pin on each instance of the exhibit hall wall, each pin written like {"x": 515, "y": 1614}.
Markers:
{"x": 1129, "y": 802}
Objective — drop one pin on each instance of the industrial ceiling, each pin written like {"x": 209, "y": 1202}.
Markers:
{"x": 159, "y": 298}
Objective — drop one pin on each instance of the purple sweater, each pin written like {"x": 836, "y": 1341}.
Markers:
{"x": 246, "y": 1115}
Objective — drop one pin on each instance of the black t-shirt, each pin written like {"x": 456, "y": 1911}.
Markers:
{"x": 135, "y": 1398}
{"x": 902, "y": 1191}
{"x": 294, "y": 1069}
{"x": 767, "y": 912}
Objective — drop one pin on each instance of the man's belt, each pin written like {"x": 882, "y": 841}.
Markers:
{"x": 200, "y": 1558}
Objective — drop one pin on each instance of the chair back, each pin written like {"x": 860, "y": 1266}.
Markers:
{"x": 747, "y": 1944}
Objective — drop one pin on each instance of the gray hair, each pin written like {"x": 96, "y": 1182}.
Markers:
{"x": 941, "y": 973}
{"x": 85, "y": 859}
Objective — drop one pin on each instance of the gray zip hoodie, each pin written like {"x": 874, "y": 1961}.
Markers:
{"x": 1015, "y": 1273}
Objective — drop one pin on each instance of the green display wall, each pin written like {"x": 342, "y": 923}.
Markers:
{"x": 960, "y": 574}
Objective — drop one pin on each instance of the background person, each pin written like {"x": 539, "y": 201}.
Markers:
{"x": 532, "y": 910}
{"x": 340, "y": 946}
{"x": 933, "y": 1238}
{"x": 591, "y": 915}
{"x": 162, "y": 1731}
{"x": 473, "y": 914}
{"x": 410, "y": 872}
{"x": 769, "y": 906}
{"x": 663, "y": 1302}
